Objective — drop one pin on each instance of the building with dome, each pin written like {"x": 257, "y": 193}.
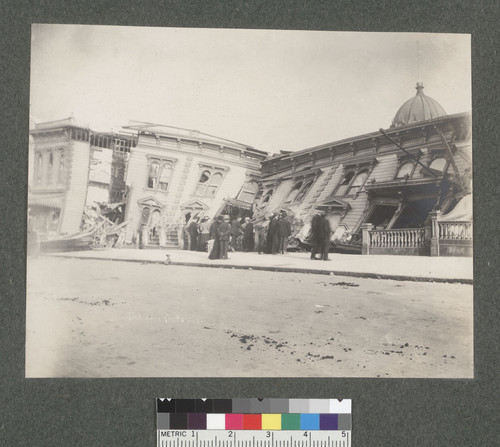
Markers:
{"x": 392, "y": 191}
{"x": 403, "y": 190}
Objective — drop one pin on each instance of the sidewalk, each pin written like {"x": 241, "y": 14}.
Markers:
{"x": 405, "y": 268}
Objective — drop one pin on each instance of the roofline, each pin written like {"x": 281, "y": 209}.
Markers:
{"x": 145, "y": 126}
{"x": 390, "y": 130}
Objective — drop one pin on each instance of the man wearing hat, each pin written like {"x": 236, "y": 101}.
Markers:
{"x": 284, "y": 232}
{"x": 224, "y": 230}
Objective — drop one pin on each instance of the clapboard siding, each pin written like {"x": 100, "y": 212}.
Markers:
{"x": 356, "y": 213}
{"x": 385, "y": 169}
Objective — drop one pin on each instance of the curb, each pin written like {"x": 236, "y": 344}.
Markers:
{"x": 283, "y": 269}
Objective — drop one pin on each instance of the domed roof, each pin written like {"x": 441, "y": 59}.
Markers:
{"x": 418, "y": 108}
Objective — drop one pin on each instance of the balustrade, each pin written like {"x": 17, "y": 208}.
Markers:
{"x": 455, "y": 230}
{"x": 404, "y": 238}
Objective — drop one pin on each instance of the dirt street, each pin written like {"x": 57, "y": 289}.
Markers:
{"x": 121, "y": 319}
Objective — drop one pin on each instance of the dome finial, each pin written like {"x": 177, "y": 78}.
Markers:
{"x": 420, "y": 88}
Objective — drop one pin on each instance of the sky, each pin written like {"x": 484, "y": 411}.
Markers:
{"x": 273, "y": 90}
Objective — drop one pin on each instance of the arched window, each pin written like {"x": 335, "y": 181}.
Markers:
{"x": 405, "y": 170}
{"x": 249, "y": 192}
{"x": 145, "y": 216}
{"x": 292, "y": 195}
{"x": 209, "y": 182}
{"x": 165, "y": 175}
{"x": 154, "y": 169}
{"x": 159, "y": 173}
{"x": 358, "y": 182}
{"x": 38, "y": 171}
{"x": 214, "y": 183}
{"x": 303, "y": 192}
{"x": 344, "y": 184}
{"x": 50, "y": 171}
{"x": 438, "y": 164}
{"x": 62, "y": 167}
{"x": 155, "y": 218}
{"x": 202, "y": 183}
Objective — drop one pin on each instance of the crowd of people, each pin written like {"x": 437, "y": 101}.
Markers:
{"x": 269, "y": 236}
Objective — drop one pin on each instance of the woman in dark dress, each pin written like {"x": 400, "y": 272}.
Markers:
{"x": 214, "y": 234}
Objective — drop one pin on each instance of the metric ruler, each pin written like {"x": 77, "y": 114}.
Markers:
{"x": 253, "y": 422}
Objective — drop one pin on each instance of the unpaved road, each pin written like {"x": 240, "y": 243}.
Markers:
{"x": 121, "y": 319}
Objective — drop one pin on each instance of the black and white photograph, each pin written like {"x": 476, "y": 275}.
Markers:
{"x": 249, "y": 203}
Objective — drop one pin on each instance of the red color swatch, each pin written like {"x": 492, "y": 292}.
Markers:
{"x": 252, "y": 422}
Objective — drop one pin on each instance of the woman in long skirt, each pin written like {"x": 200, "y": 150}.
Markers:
{"x": 215, "y": 252}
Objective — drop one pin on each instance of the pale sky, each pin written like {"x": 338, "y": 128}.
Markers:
{"x": 273, "y": 90}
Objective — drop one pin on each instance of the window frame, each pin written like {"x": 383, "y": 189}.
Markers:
{"x": 307, "y": 186}
{"x": 209, "y": 189}
{"x": 400, "y": 166}
{"x": 162, "y": 163}
{"x": 355, "y": 172}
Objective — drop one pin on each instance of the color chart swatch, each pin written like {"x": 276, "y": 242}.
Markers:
{"x": 253, "y": 414}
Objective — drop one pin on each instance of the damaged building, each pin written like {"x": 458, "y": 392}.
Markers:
{"x": 402, "y": 190}
{"x": 405, "y": 189}
{"x": 175, "y": 175}
{"x": 74, "y": 172}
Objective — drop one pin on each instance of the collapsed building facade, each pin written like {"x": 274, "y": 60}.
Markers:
{"x": 73, "y": 170}
{"x": 403, "y": 190}
{"x": 175, "y": 175}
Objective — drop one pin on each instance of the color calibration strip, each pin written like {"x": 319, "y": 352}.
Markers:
{"x": 253, "y": 414}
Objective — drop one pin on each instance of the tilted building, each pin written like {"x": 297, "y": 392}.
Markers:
{"x": 388, "y": 191}
{"x": 402, "y": 190}
{"x": 176, "y": 174}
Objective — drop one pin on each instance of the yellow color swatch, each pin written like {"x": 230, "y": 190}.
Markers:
{"x": 271, "y": 422}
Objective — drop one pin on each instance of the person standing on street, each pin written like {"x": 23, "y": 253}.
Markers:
{"x": 214, "y": 235}
{"x": 325, "y": 237}
{"x": 248, "y": 236}
{"x": 316, "y": 232}
{"x": 235, "y": 232}
{"x": 193, "y": 234}
{"x": 204, "y": 233}
{"x": 272, "y": 241}
{"x": 224, "y": 232}
{"x": 284, "y": 232}
{"x": 260, "y": 235}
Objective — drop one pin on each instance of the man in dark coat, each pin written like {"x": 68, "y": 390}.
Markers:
{"x": 325, "y": 237}
{"x": 235, "y": 232}
{"x": 272, "y": 241}
{"x": 316, "y": 232}
{"x": 248, "y": 237}
{"x": 224, "y": 231}
{"x": 193, "y": 234}
{"x": 284, "y": 232}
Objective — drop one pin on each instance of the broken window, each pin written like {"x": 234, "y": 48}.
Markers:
{"x": 438, "y": 164}
{"x": 292, "y": 195}
{"x": 344, "y": 184}
{"x": 303, "y": 192}
{"x": 209, "y": 182}
{"x": 358, "y": 182}
{"x": 405, "y": 170}
{"x": 159, "y": 174}
{"x": 249, "y": 192}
